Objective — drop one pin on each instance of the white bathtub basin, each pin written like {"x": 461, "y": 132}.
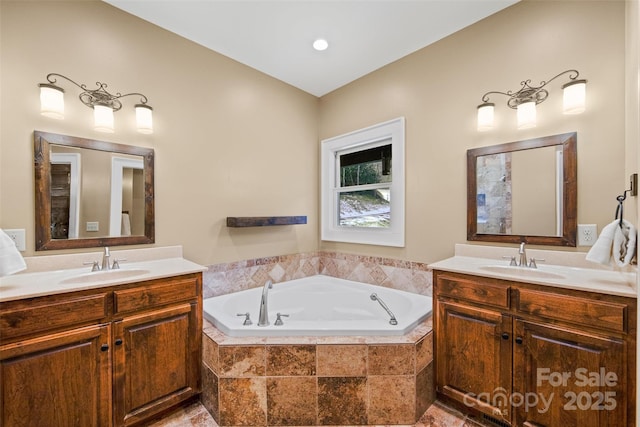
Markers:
{"x": 319, "y": 306}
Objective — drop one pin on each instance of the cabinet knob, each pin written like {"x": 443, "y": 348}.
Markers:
{"x": 104, "y": 347}
{"x": 505, "y": 336}
{"x": 519, "y": 340}
{"x": 119, "y": 341}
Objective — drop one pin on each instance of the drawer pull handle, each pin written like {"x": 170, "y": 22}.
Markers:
{"x": 119, "y": 341}
{"x": 104, "y": 347}
{"x": 505, "y": 336}
{"x": 519, "y": 340}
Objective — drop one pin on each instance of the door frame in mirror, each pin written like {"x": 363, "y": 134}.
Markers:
{"x": 568, "y": 141}
{"x": 42, "y": 170}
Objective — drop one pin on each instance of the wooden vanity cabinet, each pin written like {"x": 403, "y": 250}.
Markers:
{"x": 530, "y": 355}
{"x": 61, "y": 379}
{"x": 113, "y": 356}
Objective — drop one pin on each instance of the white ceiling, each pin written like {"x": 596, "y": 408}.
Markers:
{"x": 275, "y": 36}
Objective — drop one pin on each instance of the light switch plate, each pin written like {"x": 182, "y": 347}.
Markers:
{"x": 587, "y": 234}
{"x": 18, "y": 236}
{"x": 93, "y": 226}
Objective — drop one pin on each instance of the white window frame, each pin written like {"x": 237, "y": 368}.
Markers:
{"x": 389, "y": 132}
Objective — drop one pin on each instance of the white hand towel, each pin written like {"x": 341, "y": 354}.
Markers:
{"x": 10, "y": 259}
{"x": 601, "y": 251}
{"x": 125, "y": 226}
{"x": 624, "y": 243}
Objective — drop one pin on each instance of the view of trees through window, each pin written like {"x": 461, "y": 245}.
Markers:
{"x": 370, "y": 206}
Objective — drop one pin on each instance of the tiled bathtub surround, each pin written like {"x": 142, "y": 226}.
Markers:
{"x": 318, "y": 380}
{"x": 397, "y": 274}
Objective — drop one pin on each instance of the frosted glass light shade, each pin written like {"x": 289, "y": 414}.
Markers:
{"x": 103, "y": 118}
{"x": 485, "y": 116}
{"x": 574, "y": 96}
{"x": 51, "y": 101}
{"x": 144, "y": 118}
{"x": 527, "y": 115}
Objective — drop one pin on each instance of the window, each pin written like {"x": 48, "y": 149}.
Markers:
{"x": 363, "y": 186}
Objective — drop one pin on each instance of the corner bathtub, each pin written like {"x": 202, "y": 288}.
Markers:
{"x": 319, "y": 306}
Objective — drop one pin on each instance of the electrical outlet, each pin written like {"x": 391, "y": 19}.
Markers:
{"x": 587, "y": 234}
{"x": 18, "y": 236}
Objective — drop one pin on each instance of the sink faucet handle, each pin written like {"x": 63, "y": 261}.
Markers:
{"x": 95, "y": 266}
{"x": 512, "y": 260}
{"x": 116, "y": 263}
{"x": 532, "y": 262}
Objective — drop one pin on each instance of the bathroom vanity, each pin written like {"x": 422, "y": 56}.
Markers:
{"x": 104, "y": 353}
{"x": 551, "y": 347}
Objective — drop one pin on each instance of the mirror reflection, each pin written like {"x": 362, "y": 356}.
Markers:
{"x": 92, "y": 193}
{"x": 520, "y": 192}
{"x": 523, "y": 191}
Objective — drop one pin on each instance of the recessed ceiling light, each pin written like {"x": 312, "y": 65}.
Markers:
{"x": 320, "y": 44}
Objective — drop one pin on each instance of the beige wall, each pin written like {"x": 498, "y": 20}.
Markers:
{"x": 229, "y": 141}
{"x": 438, "y": 88}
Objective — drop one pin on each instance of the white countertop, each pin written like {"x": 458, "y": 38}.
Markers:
{"x": 141, "y": 264}
{"x": 560, "y": 269}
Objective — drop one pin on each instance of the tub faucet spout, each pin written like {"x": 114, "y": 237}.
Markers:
{"x": 263, "y": 318}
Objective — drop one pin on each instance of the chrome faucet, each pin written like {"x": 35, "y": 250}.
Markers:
{"x": 106, "y": 257}
{"x": 522, "y": 261}
{"x": 523, "y": 255}
{"x": 263, "y": 318}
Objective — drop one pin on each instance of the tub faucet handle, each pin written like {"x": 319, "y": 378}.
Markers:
{"x": 279, "y": 321}
{"x": 247, "y": 319}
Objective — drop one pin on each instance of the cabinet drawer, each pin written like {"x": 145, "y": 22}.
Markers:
{"x": 49, "y": 313}
{"x": 473, "y": 290}
{"x": 166, "y": 292}
{"x": 597, "y": 314}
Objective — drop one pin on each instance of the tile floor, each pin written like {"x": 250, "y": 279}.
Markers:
{"x": 438, "y": 415}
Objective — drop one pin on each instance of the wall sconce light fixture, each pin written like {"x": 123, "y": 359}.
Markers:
{"x": 102, "y": 102}
{"x": 527, "y": 97}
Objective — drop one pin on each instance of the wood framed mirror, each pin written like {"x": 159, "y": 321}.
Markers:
{"x": 91, "y": 193}
{"x": 524, "y": 191}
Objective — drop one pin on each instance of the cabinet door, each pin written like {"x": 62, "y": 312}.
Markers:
{"x": 155, "y": 361}
{"x": 61, "y": 380}
{"x": 568, "y": 378}
{"x": 474, "y": 361}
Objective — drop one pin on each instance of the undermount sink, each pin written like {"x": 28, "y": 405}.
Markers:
{"x": 100, "y": 276}
{"x": 521, "y": 271}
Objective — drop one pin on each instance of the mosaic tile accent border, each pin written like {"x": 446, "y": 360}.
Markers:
{"x": 226, "y": 278}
